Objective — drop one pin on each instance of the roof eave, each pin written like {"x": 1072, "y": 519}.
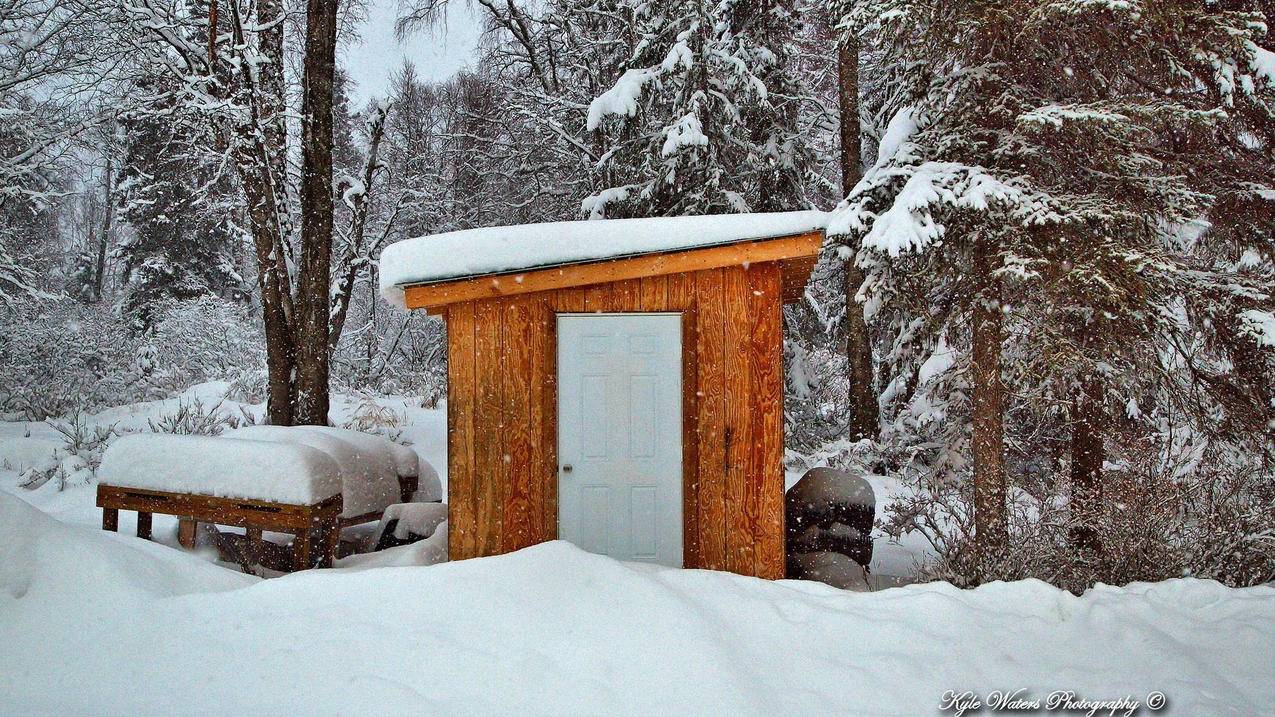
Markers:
{"x": 797, "y": 251}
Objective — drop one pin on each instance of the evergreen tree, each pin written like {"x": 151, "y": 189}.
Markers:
{"x": 1052, "y": 235}
{"x": 704, "y": 118}
{"x": 172, "y": 197}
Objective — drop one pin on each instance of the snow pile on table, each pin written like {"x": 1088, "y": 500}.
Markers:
{"x": 406, "y": 461}
{"x": 204, "y": 465}
{"x": 366, "y": 468}
{"x": 495, "y": 250}
{"x": 103, "y": 624}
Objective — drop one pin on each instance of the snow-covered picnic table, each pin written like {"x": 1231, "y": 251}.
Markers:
{"x": 307, "y": 481}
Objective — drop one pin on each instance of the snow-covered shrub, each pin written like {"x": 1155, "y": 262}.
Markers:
{"x": 61, "y": 356}
{"x": 371, "y": 417}
{"x": 192, "y": 418}
{"x": 247, "y": 386}
{"x": 76, "y": 461}
{"x": 1152, "y": 526}
{"x": 208, "y": 339}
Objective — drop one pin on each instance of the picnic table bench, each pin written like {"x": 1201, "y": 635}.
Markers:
{"x": 316, "y": 526}
{"x": 307, "y": 482}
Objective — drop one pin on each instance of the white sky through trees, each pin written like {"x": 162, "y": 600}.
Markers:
{"x": 437, "y": 55}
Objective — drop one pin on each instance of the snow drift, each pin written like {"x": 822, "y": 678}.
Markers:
{"x": 106, "y": 624}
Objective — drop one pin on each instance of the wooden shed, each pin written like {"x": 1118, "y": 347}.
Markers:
{"x": 617, "y": 384}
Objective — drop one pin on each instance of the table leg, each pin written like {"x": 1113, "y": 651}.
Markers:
{"x": 186, "y": 530}
{"x": 406, "y": 488}
{"x": 143, "y": 524}
{"x": 301, "y": 545}
{"x": 111, "y": 519}
{"x": 330, "y": 534}
{"x": 252, "y": 549}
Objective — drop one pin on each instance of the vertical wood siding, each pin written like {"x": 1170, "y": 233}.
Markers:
{"x": 502, "y": 414}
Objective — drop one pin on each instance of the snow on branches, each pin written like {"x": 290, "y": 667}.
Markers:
{"x": 1076, "y": 198}
{"x": 704, "y": 117}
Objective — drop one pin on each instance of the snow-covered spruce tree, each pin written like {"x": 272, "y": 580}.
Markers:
{"x": 703, "y": 119}
{"x": 1067, "y": 243}
{"x": 174, "y": 199}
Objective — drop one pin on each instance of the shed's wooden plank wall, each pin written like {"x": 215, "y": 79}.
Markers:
{"x": 502, "y": 409}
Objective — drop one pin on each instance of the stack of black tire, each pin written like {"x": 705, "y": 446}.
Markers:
{"x": 829, "y": 511}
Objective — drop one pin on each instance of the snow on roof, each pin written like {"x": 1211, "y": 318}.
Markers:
{"x": 203, "y": 465}
{"x": 498, "y": 250}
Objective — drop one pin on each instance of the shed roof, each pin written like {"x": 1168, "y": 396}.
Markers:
{"x": 496, "y": 251}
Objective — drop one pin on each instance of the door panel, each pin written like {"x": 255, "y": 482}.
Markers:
{"x": 620, "y": 435}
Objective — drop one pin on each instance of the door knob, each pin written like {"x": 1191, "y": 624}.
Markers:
{"x": 566, "y": 468}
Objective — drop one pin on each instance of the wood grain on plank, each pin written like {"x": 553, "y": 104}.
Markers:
{"x": 544, "y": 389}
{"x": 653, "y": 293}
{"x": 568, "y": 301}
{"x": 489, "y": 428}
{"x": 516, "y": 378}
{"x": 626, "y": 296}
{"x": 711, "y": 426}
{"x": 681, "y": 297}
{"x": 741, "y": 508}
{"x": 462, "y": 529}
{"x": 766, "y": 389}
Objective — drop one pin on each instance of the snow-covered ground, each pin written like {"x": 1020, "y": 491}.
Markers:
{"x": 104, "y": 623}
{"x": 98, "y": 623}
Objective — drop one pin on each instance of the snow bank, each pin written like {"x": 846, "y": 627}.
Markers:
{"x": 495, "y": 250}
{"x": 95, "y": 624}
{"x": 19, "y": 454}
{"x": 41, "y": 557}
{"x": 366, "y": 470}
{"x": 256, "y": 470}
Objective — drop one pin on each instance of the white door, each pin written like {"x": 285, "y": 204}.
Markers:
{"x": 620, "y": 435}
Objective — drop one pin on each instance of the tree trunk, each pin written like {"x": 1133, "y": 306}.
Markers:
{"x": 991, "y": 531}
{"x": 314, "y": 281}
{"x": 275, "y": 288}
{"x": 272, "y": 117}
{"x": 864, "y": 412}
{"x": 848, "y": 103}
{"x": 212, "y": 32}
{"x": 108, "y": 215}
{"x": 369, "y": 341}
{"x": 1088, "y": 454}
{"x": 259, "y": 156}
